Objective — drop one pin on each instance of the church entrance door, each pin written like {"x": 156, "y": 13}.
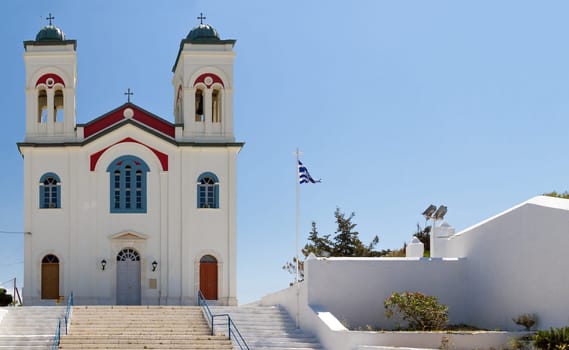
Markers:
{"x": 50, "y": 277}
{"x": 128, "y": 277}
{"x": 208, "y": 277}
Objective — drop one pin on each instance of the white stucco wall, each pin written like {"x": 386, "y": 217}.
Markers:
{"x": 517, "y": 263}
{"x": 353, "y": 289}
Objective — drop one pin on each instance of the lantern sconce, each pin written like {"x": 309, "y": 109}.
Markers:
{"x": 154, "y": 265}
{"x": 103, "y": 264}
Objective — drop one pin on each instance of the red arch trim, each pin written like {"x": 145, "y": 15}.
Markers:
{"x": 215, "y": 79}
{"x": 162, "y": 157}
{"x": 56, "y": 78}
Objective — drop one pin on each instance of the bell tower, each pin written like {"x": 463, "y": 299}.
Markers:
{"x": 203, "y": 86}
{"x": 51, "y": 75}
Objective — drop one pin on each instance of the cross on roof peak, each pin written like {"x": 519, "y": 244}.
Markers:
{"x": 201, "y": 17}
{"x": 128, "y": 93}
{"x": 50, "y": 18}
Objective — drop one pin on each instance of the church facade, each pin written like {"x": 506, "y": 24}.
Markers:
{"x": 130, "y": 208}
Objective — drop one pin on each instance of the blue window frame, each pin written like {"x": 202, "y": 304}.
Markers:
{"x": 128, "y": 185}
{"x": 50, "y": 191}
{"x": 208, "y": 191}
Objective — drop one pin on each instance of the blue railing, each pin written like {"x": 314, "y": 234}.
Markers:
{"x": 232, "y": 330}
{"x": 67, "y": 318}
{"x": 68, "y": 312}
{"x": 57, "y": 335}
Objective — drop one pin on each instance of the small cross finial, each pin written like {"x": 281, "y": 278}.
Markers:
{"x": 201, "y": 18}
{"x": 50, "y": 18}
{"x": 128, "y": 93}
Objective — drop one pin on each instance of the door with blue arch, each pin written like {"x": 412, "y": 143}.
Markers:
{"x": 128, "y": 277}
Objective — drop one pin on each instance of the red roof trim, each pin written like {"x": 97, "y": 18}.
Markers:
{"x": 117, "y": 116}
{"x": 162, "y": 157}
{"x": 56, "y": 79}
{"x": 214, "y": 79}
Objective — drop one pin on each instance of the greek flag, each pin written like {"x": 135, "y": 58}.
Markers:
{"x": 304, "y": 176}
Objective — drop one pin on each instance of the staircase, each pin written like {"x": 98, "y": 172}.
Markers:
{"x": 140, "y": 327}
{"x": 267, "y": 328}
{"x": 29, "y": 327}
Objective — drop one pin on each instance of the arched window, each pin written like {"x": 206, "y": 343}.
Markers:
{"x": 208, "y": 191}
{"x": 58, "y": 105}
{"x": 199, "y": 106}
{"x": 42, "y": 106}
{"x": 216, "y": 106}
{"x": 128, "y": 254}
{"x": 128, "y": 185}
{"x": 50, "y": 191}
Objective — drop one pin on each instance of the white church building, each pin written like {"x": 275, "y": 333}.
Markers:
{"x": 130, "y": 208}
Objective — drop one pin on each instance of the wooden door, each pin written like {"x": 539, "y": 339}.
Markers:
{"x": 49, "y": 281}
{"x": 208, "y": 280}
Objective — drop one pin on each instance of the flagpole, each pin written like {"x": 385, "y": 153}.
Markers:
{"x": 297, "y": 179}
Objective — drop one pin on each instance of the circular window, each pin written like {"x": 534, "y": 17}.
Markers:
{"x": 49, "y": 82}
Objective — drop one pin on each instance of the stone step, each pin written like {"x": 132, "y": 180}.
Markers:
{"x": 141, "y": 327}
{"x": 268, "y": 328}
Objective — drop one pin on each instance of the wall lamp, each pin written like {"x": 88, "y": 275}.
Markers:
{"x": 103, "y": 264}
{"x": 154, "y": 265}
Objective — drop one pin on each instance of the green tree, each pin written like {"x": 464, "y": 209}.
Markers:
{"x": 347, "y": 242}
{"x": 5, "y": 299}
{"x": 320, "y": 246}
{"x": 564, "y": 195}
{"x": 424, "y": 235}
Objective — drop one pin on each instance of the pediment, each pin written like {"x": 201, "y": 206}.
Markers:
{"x": 128, "y": 113}
{"x": 129, "y": 235}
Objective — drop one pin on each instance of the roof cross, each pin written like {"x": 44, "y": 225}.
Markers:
{"x": 50, "y": 18}
{"x": 128, "y": 93}
{"x": 201, "y": 18}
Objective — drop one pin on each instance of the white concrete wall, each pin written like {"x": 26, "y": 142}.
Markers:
{"x": 334, "y": 336}
{"x": 517, "y": 263}
{"x": 353, "y": 289}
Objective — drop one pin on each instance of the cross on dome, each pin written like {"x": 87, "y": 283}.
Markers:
{"x": 50, "y": 18}
{"x": 201, "y": 17}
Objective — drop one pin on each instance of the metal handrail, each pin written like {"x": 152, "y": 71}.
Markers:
{"x": 67, "y": 318}
{"x": 68, "y": 312}
{"x": 57, "y": 335}
{"x": 232, "y": 330}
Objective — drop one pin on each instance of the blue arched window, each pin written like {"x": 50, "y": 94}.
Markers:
{"x": 128, "y": 185}
{"x": 208, "y": 191}
{"x": 50, "y": 191}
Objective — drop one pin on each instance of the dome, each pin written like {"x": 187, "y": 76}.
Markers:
{"x": 50, "y": 33}
{"x": 203, "y": 32}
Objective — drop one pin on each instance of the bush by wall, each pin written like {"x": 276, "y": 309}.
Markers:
{"x": 422, "y": 312}
{"x": 5, "y": 299}
{"x": 552, "y": 339}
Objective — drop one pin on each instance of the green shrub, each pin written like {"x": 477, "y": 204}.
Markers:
{"x": 421, "y": 312}
{"x": 526, "y": 320}
{"x": 552, "y": 339}
{"x": 5, "y": 299}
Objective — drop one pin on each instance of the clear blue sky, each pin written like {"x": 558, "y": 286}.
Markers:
{"x": 395, "y": 104}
